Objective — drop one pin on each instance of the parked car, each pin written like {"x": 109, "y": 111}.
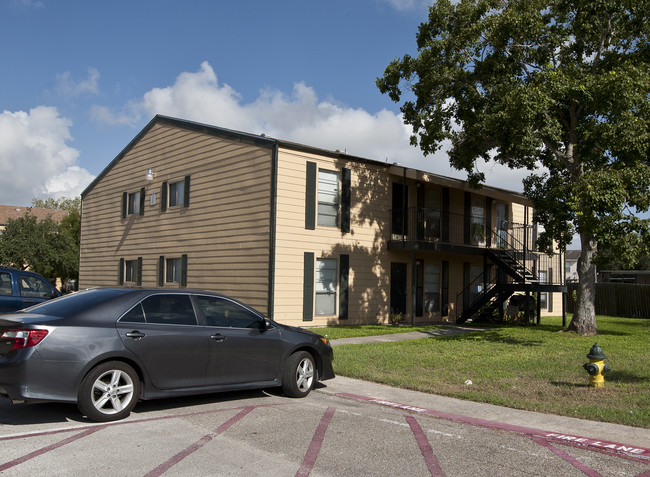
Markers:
{"x": 106, "y": 348}
{"x": 20, "y": 289}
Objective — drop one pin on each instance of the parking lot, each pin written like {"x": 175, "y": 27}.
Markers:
{"x": 329, "y": 433}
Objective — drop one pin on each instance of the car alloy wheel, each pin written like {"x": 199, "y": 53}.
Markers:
{"x": 299, "y": 374}
{"x": 109, "y": 392}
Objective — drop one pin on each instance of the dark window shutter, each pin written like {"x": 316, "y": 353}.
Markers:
{"x": 445, "y": 288}
{"x": 549, "y": 300}
{"x": 186, "y": 192}
{"x": 310, "y": 196}
{"x": 120, "y": 272}
{"x": 346, "y": 179}
{"x": 184, "y": 270}
{"x": 445, "y": 215}
{"x": 468, "y": 218}
{"x": 142, "y": 193}
{"x": 344, "y": 290}
{"x": 161, "y": 271}
{"x": 163, "y": 197}
{"x": 139, "y": 277}
{"x": 125, "y": 198}
{"x": 308, "y": 288}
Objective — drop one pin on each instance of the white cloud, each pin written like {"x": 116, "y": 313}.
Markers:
{"x": 408, "y": 5}
{"x": 68, "y": 87}
{"x": 298, "y": 116}
{"x": 35, "y": 159}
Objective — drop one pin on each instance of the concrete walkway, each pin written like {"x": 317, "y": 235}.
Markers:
{"x": 409, "y": 335}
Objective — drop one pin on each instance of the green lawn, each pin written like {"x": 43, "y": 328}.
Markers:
{"x": 538, "y": 368}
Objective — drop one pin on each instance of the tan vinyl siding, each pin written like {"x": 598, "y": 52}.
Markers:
{"x": 365, "y": 243}
{"x": 225, "y": 231}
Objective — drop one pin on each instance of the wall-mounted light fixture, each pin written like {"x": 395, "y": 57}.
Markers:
{"x": 150, "y": 174}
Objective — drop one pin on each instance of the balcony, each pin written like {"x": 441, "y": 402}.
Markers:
{"x": 510, "y": 246}
{"x": 430, "y": 226}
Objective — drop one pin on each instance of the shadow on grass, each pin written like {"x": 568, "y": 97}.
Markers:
{"x": 494, "y": 337}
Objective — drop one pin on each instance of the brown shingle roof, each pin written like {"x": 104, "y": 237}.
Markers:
{"x": 14, "y": 212}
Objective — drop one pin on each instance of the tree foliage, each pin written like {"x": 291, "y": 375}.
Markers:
{"x": 44, "y": 246}
{"x": 559, "y": 87}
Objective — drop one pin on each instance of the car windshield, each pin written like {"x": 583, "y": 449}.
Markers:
{"x": 70, "y": 305}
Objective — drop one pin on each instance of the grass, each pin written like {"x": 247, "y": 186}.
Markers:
{"x": 537, "y": 368}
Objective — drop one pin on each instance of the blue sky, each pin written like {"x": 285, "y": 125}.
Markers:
{"x": 81, "y": 78}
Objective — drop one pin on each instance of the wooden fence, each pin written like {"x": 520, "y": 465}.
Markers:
{"x": 616, "y": 299}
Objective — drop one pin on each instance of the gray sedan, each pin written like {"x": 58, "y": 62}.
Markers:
{"x": 106, "y": 348}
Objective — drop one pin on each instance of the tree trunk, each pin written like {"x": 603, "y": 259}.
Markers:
{"x": 584, "y": 318}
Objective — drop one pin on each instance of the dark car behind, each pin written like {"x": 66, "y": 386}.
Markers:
{"x": 21, "y": 289}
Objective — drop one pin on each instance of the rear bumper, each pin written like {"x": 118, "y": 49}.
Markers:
{"x": 35, "y": 379}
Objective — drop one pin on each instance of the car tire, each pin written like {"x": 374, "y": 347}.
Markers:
{"x": 299, "y": 375}
{"x": 109, "y": 392}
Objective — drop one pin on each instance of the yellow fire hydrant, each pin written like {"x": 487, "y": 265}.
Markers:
{"x": 596, "y": 367}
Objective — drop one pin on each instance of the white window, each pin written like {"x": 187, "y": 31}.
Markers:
{"x": 432, "y": 288}
{"x": 328, "y": 198}
{"x": 173, "y": 274}
{"x": 134, "y": 203}
{"x": 325, "y": 287}
{"x": 176, "y": 191}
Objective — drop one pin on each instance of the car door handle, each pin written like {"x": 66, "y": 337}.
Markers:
{"x": 136, "y": 335}
{"x": 218, "y": 337}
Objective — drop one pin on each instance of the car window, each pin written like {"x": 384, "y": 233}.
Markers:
{"x": 5, "y": 284}
{"x": 134, "y": 315}
{"x": 34, "y": 287}
{"x": 224, "y": 313}
{"x": 169, "y": 310}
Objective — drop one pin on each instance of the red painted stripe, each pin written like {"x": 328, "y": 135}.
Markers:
{"x": 644, "y": 474}
{"x": 47, "y": 449}
{"x": 570, "y": 459}
{"x": 164, "y": 467}
{"x": 427, "y": 452}
{"x": 314, "y": 448}
{"x": 594, "y": 444}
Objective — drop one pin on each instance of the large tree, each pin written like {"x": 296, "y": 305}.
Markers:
{"x": 561, "y": 88}
{"x": 44, "y": 246}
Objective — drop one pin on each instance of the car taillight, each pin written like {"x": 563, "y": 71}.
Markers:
{"x": 23, "y": 338}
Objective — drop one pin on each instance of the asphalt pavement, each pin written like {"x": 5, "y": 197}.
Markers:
{"x": 601, "y": 434}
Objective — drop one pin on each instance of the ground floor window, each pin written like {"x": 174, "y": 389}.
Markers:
{"x": 131, "y": 271}
{"x": 173, "y": 274}
{"x": 543, "y": 297}
{"x": 432, "y": 288}
{"x": 325, "y": 287}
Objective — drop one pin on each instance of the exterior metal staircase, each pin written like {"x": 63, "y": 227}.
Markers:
{"x": 484, "y": 295}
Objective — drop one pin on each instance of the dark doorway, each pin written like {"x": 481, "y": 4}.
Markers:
{"x": 398, "y": 272}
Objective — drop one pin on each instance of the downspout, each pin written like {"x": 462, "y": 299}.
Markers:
{"x": 272, "y": 230}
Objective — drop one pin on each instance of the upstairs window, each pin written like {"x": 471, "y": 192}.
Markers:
{"x": 176, "y": 192}
{"x": 328, "y": 198}
{"x": 133, "y": 203}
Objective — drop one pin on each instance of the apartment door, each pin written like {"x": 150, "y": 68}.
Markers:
{"x": 398, "y": 275}
{"x": 502, "y": 226}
